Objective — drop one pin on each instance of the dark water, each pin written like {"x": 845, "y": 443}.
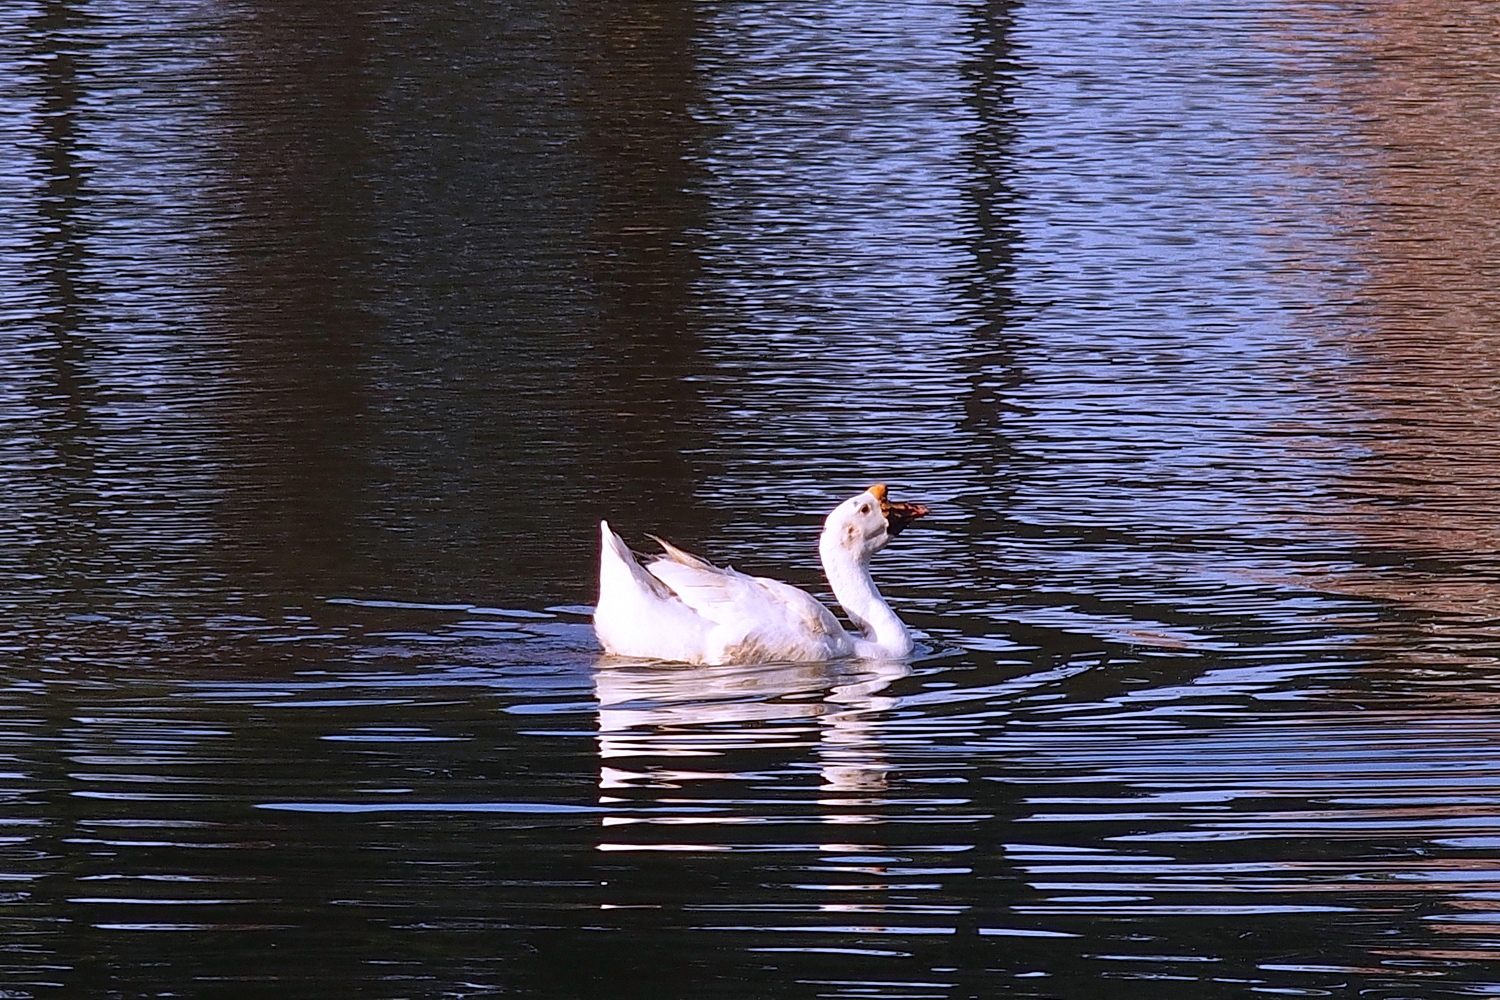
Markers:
{"x": 329, "y": 330}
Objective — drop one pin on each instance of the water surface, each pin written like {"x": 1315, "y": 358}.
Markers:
{"x": 330, "y": 331}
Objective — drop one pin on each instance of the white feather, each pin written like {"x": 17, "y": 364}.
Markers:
{"x": 682, "y": 608}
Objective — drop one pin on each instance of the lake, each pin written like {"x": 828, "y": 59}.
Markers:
{"x": 331, "y": 330}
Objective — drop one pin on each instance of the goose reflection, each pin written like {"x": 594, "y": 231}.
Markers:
{"x": 665, "y": 729}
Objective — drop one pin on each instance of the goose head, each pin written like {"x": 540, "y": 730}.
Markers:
{"x": 864, "y": 524}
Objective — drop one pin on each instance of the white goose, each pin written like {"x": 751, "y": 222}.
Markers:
{"x": 683, "y": 609}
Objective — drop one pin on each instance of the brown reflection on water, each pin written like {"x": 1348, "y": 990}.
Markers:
{"x": 1412, "y": 142}
{"x": 641, "y": 146}
{"x": 288, "y": 179}
{"x": 455, "y": 269}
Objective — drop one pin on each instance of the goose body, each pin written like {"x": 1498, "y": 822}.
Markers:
{"x": 682, "y": 608}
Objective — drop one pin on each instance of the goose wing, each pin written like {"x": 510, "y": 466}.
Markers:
{"x": 683, "y": 608}
{"x": 752, "y": 606}
{"x": 678, "y": 556}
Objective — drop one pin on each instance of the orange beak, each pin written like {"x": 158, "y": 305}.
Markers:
{"x": 897, "y": 515}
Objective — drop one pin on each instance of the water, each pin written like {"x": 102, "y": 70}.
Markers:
{"x": 330, "y": 330}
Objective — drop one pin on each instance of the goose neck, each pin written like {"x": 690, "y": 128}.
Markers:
{"x": 849, "y": 576}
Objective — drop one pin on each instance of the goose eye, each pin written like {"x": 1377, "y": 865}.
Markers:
{"x": 864, "y": 508}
